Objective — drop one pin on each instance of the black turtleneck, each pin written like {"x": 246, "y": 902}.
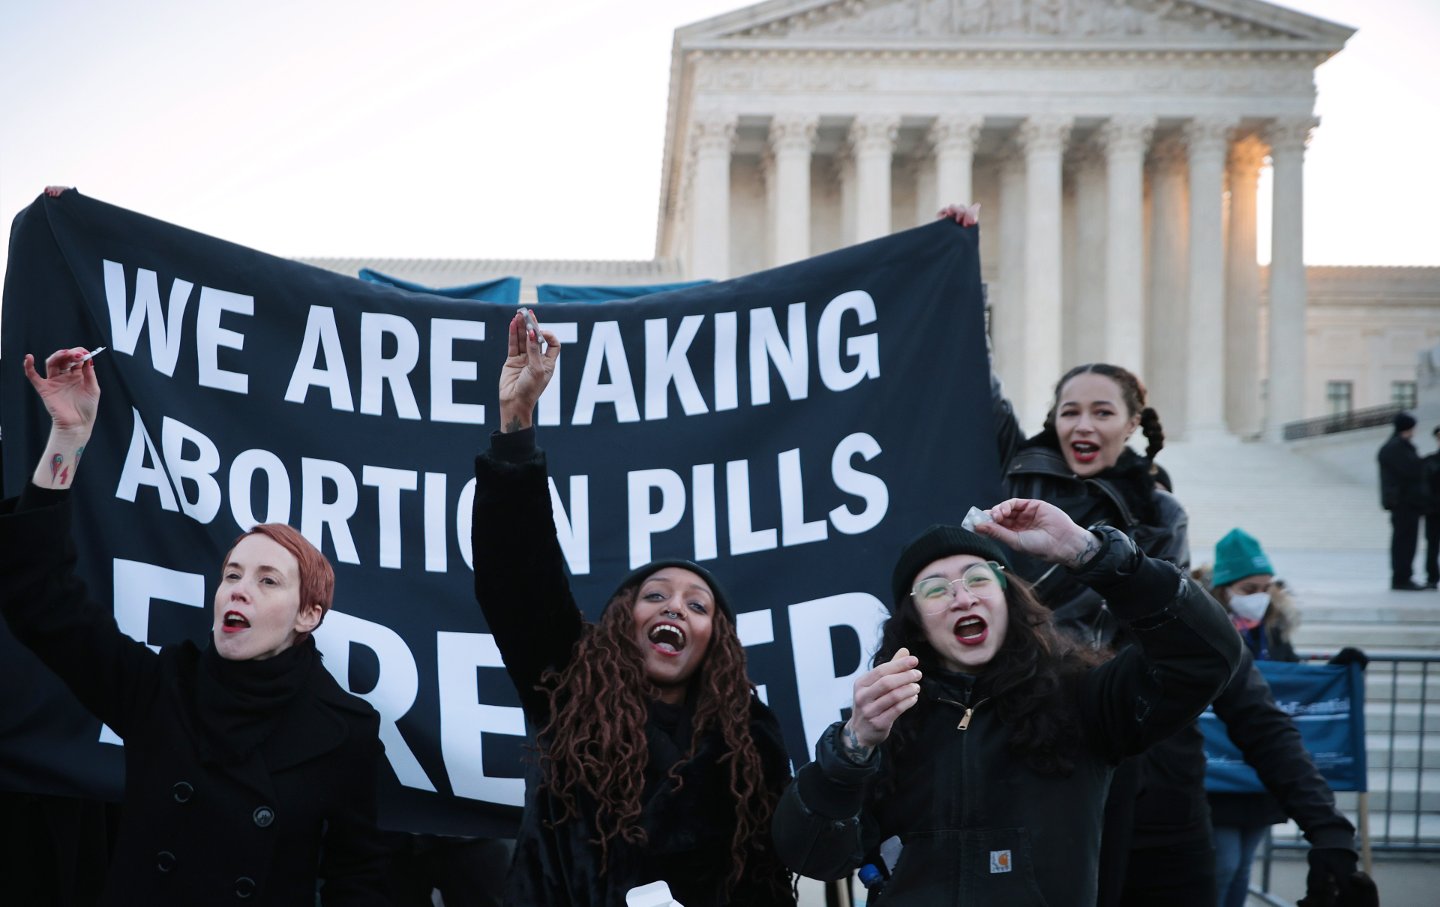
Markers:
{"x": 240, "y": 702}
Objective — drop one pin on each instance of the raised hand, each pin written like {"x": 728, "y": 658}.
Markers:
{"x": 964, "y": 215}
{"x": 69, "y": 389}
{"x": 72, "y": 397}
{"x": 882, "y": 695}
{"x": 1040, "y": 529}
{"x": 526, "y": 373}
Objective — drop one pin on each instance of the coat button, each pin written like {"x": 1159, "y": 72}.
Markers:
{"x": 244, "y": 887}
{"x": 164, "y": 861}
{"x": 183, "y": 791}
{"x": 264, "y": 815}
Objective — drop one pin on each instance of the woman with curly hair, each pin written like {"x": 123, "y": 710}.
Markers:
{"x": 657, "y": 762}
{"x": 974, "y": 765}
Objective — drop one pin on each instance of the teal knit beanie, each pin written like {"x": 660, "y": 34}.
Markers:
{"x": 1237, "y": 556}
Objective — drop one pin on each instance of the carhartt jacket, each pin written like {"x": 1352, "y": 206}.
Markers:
{"x": 977, "y": 825}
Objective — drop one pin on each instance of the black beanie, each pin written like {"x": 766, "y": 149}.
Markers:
{"x": 639, "y": 574}
{"x": 1404, "y": 421}
{"x": 934, "y": 543}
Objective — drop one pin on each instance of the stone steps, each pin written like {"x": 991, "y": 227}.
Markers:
{"x": 1406, "y": 715}
{"x": 1327, "y": 636}
{"x": 1281, "y": 497}
{"x": 1402, "y": 752}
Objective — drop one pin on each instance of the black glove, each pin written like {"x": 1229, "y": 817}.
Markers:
{"x": 1350, "y": 655}
{"x": 1334, "y": 880}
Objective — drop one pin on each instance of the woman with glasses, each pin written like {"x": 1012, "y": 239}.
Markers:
{"x": 1157, "y": 826}
{"x": 657, "y": 762}
{"x": 974, "y": 765}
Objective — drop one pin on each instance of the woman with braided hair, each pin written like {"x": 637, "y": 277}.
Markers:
{"x": 657, "y": 762}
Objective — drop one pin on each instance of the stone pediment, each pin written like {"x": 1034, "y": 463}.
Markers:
{"x": 974, "y": 22}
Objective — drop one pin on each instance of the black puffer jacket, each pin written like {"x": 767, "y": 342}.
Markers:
{"x": 521, "y": 585}
{"x": 979, "y": 825}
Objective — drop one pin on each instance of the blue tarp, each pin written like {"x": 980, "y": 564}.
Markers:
{"x": 505, "y": 290}
{"x": 561, "y": 292}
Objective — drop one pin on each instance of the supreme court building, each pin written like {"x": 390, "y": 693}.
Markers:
{"x": 1115, "y": 146}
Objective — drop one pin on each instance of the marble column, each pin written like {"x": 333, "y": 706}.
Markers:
{"x": 952, "y": 139}
{"x": 791, "y": 140}
{"x": 1043, "y": 139}
{"x": 1007, "y": 301}
{"x": 843, "y": 167}
{"x": 1242, "y": 291}
{"x": 1207, "y": 141}
{"x": 1085, "y": 320}
{"x": 1124, "y": 140}
{"x": 1285, "y": 401}
{"x": 923, "y": 162}
{"x": 872, "y": 143}
{"x": 1167, "y": 352}
{"x": 712, "y": 139}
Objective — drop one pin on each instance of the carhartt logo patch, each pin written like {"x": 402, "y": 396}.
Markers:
{"x": 999, "y": 861}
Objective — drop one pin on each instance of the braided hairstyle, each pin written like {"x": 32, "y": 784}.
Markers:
{"x": 1132, "y": 390}
{"x": 595, "y": 746}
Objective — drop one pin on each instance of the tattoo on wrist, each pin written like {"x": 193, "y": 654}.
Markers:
{"x": 513, "y": 425}
{"x": 851, "y": 747}
{"x": 1092, "y": 547}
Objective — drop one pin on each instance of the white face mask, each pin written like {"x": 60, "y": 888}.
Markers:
{"x": 1250, "y": 607}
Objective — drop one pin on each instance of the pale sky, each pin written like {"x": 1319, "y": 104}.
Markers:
{"x": 496, "y": 129}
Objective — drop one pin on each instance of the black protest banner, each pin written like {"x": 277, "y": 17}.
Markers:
{"x": 789, "y": 429}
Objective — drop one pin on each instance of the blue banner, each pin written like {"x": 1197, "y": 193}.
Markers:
{"x": 1327, "y": 704}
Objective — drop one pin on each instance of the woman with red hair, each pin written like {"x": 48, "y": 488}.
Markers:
{"x": 657, "y": 762}
{"x": 249, "y": 773}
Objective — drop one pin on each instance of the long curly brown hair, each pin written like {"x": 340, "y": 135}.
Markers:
{"x": 595, "y": 742}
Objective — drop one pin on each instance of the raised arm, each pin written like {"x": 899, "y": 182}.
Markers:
{"x": 520, "y": 579}
{"x": 819, "y": 829}
{"x": 1271, "y": 744}
{"x": 44, "y": 603}
{"x": 1186, "y": 650}
{"x": 71, "y": 395}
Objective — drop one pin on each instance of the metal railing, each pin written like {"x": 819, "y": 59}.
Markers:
{"x": 1396, "y": 817}
{"x": 1369, "y": 417}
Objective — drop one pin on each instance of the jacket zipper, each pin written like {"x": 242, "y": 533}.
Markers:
{"x": 969, "y": 711}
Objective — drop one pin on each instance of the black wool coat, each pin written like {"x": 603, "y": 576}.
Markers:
{"x": 195, "y": 831}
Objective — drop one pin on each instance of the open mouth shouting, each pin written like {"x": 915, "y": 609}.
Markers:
{"x": 667, "y": 639}
{"x": 234, "y": 622}
{"x": 971, "y": 630}
{"x": 1084, "y": 451}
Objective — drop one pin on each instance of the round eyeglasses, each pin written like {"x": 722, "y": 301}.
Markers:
{"x": 933, "y": 594}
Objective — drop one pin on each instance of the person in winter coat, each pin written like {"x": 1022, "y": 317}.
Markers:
{"x": 249, "y": 773}
{"x": 657, "y": 762}
{"x": 1243, "y": 580}
{"x": 1431, "y": 466}
{"x": 983, "y": 739}
{"x": 1402, "y": 492}
{"x": 1157, "y": 845}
